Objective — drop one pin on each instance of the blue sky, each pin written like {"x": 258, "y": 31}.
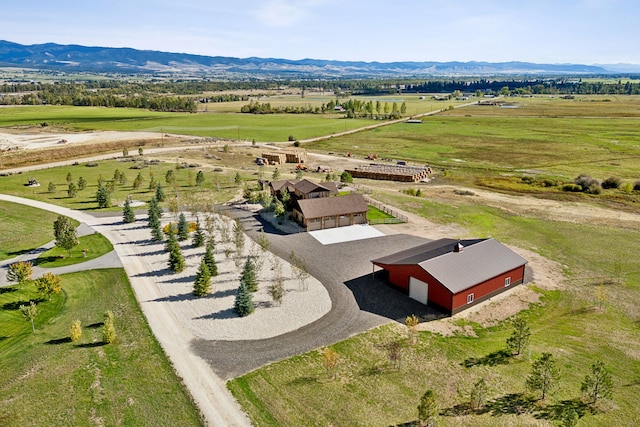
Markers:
{"x": 543, "y": 31}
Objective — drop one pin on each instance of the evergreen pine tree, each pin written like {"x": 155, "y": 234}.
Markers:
{"x": 244, "y": 301}
{"x": 154, "y": 220}
{"x": 198, "y": 236}
{"x": 176, "y": 260}
{"x": 160, "y": 193}
{"x": 249, "y": 275}
{"x": 128, "y": 216}
{"x": 210, "y": 260}
{"x": 202, "y": 283}
{"x": 183, "y": 227}
{"x": 103, "y": 197}
{"x": 199, "y": 178}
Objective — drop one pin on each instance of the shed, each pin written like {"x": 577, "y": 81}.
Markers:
{"x": 453, "y": 275}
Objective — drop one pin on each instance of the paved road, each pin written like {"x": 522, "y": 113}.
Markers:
{"x": 359, "y": 302}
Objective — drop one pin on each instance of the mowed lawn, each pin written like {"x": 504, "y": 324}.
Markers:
{"x": 222, "y": 182}
{"x": 47, "y": 380}
{"x": 568, "y": 323}
{"x": 89, "y": 247}
{"x": 23, "y": 228}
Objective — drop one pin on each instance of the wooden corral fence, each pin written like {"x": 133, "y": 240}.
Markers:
{"x": 397, "y": 216}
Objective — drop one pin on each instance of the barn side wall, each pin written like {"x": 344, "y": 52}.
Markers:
{"x": 485, "y": 290}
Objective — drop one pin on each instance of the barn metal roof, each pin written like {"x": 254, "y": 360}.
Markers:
{"x": 475, "y": 264}
{"x": 478, "y": 261}
{"x": 423, "y": 252}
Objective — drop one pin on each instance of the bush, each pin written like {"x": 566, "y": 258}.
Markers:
{"x": 91, "y": 164}
{"x": 75, "y": 332}
{"x": 589, "y": 185}
{"x": 611, "y": 182}
{"x": 636, "y": 186}
{"x": 573, "y": 188}
{"x": 292, "y": 138}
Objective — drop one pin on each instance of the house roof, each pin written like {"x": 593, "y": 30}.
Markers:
{"x": 478, "y": 261}
{"x": 332, "y": 206}
{"x": 279, "y": 184}
{"x": 305, "y": 186}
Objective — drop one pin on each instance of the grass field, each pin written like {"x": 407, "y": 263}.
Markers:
{"x": 47, "y": 380}
{"x": 369, "y": 392}
{"x": 18, "y": 236}
{"x": 222, "y": 182}
{"x": 263, "y": 128}
{"x": 95, "y": 245}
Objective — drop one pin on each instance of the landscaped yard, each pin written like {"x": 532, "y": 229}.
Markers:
{"x": 92, "y": 245}
{"x": 18, "y": 236}
{"x": 47, "y": 380}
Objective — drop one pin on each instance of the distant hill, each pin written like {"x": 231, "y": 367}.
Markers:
{"x": 75, "y": 58}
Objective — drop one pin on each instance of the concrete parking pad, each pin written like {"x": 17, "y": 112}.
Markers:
{"x": 345, "y": 234}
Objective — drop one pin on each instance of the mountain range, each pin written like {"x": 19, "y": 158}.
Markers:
{"x": 76, "y": 58}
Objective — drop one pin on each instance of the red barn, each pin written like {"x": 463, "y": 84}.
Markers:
{"x": 454, "y": 274}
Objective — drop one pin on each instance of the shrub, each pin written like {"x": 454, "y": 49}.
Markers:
{"x": 292, "y": 138}
{"x": 75, "y": 332}
{"x": 296, "y": 143}
{"x": 636, "y": 186}
{"x": 91, "y": 164}
{"x": 574, "y": 188}
{"x": 611, "y": 182}
{"x": 589, "y": 185}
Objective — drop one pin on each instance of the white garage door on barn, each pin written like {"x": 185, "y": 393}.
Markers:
{"x": 418, "y": 290}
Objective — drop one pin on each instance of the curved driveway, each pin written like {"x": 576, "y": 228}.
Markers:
{"x": 359, "y": 302}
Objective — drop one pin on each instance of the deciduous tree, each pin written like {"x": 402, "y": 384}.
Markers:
{"x": 30, "y": 312}
{"x": 20, "y": 272}
{"x": 330, "y": 359}
{"x": 478, "y": 395}
{"x": 65, "y": 233}
{"x": 48, "y": 284}
{"x": 108, "y": 327}
{"x": 412, "y": 324}
{"x": 75, "y": 331}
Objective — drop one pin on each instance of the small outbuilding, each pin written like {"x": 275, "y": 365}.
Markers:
{"x": 330, "y": 212}
{"x": 454, "y": 275}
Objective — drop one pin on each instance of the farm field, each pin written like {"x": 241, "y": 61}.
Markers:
{"x": 479, "y": 140}
{"x": 47, "y": 380}
{"x": 263, "y": 128}
{"x": 567, "y": 323}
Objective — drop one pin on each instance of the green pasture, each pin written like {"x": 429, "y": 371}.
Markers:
{"x": 263, "y": 128}
{"x": 47, "y": 380}
{"x": 95, "y": 246}
{"x": 469, "y": 142}
{"x": 218, "y": 186}
{"x": 368, "y": 391}
{"x": 17, "y": 235}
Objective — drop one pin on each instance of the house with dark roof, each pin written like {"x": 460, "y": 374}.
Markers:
{"x": 329, "y": 212}
{"x": 454, "y": 275}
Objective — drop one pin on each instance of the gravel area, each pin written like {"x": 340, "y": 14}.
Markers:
{"x": 212, "y": 317}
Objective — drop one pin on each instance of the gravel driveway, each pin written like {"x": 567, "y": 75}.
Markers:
{"x": 359, "y": 302}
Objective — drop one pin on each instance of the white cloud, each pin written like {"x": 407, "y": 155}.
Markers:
{"x": 287, "y": 13}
